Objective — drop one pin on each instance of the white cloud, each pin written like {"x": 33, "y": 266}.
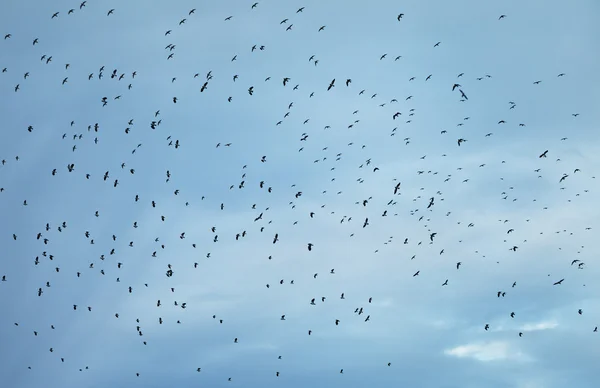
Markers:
{"x": 539, "y": 326}
{"x": 488, "y": 351}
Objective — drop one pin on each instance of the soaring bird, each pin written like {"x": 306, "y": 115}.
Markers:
{"x": 332, "y": 84}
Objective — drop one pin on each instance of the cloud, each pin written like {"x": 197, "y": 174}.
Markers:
{"x": 487, "y": 351}
{"x": 539, "y": 326}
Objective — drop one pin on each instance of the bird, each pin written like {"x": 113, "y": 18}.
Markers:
{"x": 331, "y": 85}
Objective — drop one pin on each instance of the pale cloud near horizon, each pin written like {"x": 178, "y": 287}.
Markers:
{"x": 489, "y": 351}
{"x": 539, "y": 326}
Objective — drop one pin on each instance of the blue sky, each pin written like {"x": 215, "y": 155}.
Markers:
{"x": 432, "y": 335}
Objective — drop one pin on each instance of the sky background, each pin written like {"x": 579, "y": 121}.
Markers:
{"x": 432, "y": 335}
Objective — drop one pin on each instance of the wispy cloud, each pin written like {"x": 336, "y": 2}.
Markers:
{"x": 547, "y": 325}
{"x": 488, "y": 351}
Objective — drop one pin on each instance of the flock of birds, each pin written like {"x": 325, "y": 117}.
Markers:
{"x": 423, "y": 208}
